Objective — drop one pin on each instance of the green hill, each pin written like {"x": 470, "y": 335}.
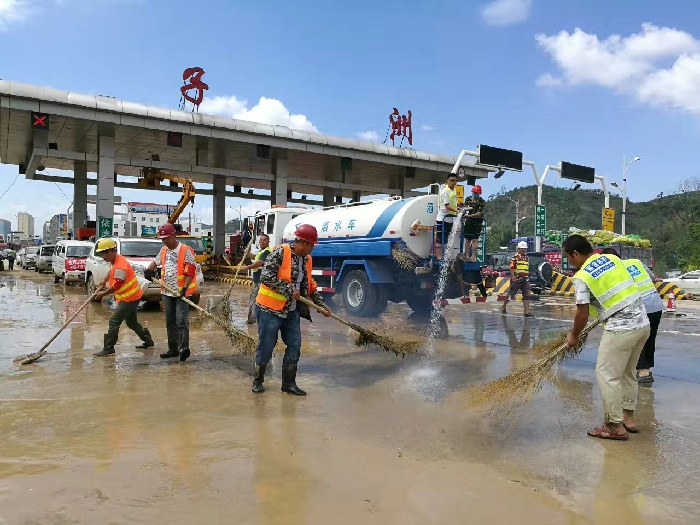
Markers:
{"x": 671, "y": 223}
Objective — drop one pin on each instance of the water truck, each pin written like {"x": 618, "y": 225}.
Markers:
{"x": 373, "y": 252}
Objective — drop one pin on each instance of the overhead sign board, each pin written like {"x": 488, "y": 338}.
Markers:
{"x": 576, "y": 172}
{"x": 500, "y": 158}
{"x": 40, "y": 120}
{"x": 460, "y": 193}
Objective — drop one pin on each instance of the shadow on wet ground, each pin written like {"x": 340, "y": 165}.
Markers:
{"x": 379, "y": 439}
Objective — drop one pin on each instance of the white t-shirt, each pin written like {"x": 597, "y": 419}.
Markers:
{"x": 629, "y": 318}
{"x": 169, "y": 272}
{"x": 444, "y": 214}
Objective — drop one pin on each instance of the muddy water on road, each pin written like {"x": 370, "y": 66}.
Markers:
{"x": 379, "y": 439}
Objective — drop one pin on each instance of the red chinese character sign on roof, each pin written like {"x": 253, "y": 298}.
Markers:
{"x": 192, "y": 81}
{"x": 400, "y": 126}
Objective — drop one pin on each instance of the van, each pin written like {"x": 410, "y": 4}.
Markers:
{"x": 44, "y": 261}
{"x": 69, "y": 261}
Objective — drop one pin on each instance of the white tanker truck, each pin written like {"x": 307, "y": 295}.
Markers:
{"x": 372, "y": 252}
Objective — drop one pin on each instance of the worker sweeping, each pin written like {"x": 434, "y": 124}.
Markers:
{"x": 179, "y": 272}
{"x": 604, "y": 286}
{"x": 285, "y": 278}
{"x": 473, "y": 222}
{"x": 654, "y": 307}
{"x": 256, "y": 267}
{"x": 121, "y": 282}
{"x": 520, "y": 279}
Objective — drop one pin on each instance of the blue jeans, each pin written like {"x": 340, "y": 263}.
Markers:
{"x": 177, "y": 323}
{"x": 290, "y": 329}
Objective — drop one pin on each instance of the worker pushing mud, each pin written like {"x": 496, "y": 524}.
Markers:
{"x": 179, "y": 272}
{"x": 121, "y": 282}
{"x": 604, "y": 287}
{"x": 285, "y": 277}
{"x": 256, "y": 267}
{"x": 520, "y": 279}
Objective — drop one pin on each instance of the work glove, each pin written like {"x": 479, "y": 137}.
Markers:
{"x": 149, "y": 274}
{"x": 182, "y": 293}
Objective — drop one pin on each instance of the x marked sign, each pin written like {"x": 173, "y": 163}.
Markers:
{"x": 40, "y": 120}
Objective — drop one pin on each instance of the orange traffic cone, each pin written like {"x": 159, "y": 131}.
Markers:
{"x": 671, "y": 304}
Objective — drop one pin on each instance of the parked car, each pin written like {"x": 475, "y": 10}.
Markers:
{"x": 675, "y": 273}
{"x": 541, "y": 272}
{"x": 68, "y": 261}
{"x": 28, "y": 260}
{"x": 140, "y": 252}
{"x": 19, "y": 255}
{"x": 44, "y": 259}
{"x": 690, "y": 282}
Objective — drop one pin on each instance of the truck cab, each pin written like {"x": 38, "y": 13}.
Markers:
{"x": 272, "y": 222}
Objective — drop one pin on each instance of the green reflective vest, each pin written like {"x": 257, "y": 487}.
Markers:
{"x": 258, "y": 256}
{"x": 453, "y": 199}
{"x": 609, "y": 281}
{"x": 11, "y": 254}
{"x": 641, "y": 277}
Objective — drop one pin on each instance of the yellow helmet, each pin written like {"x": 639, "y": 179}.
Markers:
{"x": 106, "y": 244}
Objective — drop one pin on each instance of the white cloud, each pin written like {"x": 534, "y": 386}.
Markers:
{"x": 12, "y": 11}
{"x": 369, "y": 136}
{"x": 506, "y": 12}
{"x": 425, "y": 127}
{"x": 266, "y": 111}
{"x": 636, "y": 65}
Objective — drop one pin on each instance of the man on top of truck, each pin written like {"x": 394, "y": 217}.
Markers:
{"x": 447, "y": 211}
{"x": 473, "y": 222}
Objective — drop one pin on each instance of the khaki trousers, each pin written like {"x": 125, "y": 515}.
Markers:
{"x": 617, "y": 362}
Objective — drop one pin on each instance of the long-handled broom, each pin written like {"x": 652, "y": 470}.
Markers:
{"x": 367, "y": 337}
{"x": 31, "y": 358}
{"x": 519, "y": 387}
{"x": 222, "y": 308}
{"x": 239, "y": 339}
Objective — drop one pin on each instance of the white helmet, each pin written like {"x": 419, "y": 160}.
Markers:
{"x": 522, "y": 244}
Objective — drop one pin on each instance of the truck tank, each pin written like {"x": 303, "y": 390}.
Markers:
{"x": 382, "y": 219}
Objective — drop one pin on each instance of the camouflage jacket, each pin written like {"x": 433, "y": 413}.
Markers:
{"x": 476, "y": 205}
{"x": 268, "y": 277}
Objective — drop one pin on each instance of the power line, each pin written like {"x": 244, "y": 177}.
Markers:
{"x": 66, "y": 196}
{"x": 9, "y": 187}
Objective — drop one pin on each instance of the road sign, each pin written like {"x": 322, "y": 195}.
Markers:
{"x": 577, "y": 173}
{"x": 500, "y": 158}
{"x": 609, "y": 219}
{"x": 540, "y": 221}
{"x": 40, "y": 120}
{"x": 104, "y": 227}
{"x": 564, "y": 259}
{"x": 481, "y": 249}
{"x": 460, "y": 193}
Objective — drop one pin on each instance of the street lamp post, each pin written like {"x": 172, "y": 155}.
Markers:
{"x": 517, "y": 225}
{"x": 625, "y": 164}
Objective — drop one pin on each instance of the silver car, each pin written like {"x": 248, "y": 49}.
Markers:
{"x": 44, "y": 258}
{"x": 28, "y": 260}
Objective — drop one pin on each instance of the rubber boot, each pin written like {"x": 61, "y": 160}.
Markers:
{"x": 172, "y": 344}
{"x": 108, "y": 349}
{"x": 147, "y": 340}
{"x": 169, "y": 354}
{"x": 259, "y": 379}
{"x": 289, "y": 383}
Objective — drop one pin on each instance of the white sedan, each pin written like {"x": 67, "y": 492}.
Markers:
{"x": 690, "y": 282}
{"x": 140, "y": 252}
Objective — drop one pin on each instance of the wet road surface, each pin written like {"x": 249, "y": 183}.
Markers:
{"x": 379, "y": 439}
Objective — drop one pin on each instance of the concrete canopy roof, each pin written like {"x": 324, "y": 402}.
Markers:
{"x": 227, "y": 147}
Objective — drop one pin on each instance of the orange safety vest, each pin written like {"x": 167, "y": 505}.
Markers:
{"x": 130, "y": 291}
{"x": 182, "y": 267}
{"x": 269, "y": 298}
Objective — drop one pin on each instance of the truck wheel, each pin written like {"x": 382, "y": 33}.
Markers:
{"x": 381, "y": 300}
{"x": 359, "y": 295}
{"x": 419, "y": 304}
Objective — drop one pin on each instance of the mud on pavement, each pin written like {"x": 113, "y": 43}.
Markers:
{"x": 379, "y": 439}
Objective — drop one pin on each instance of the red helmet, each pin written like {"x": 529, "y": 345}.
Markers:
{"x": 308, "y": 233}
{"x": 165, "y": 231}
{"x": 477, "y": 190}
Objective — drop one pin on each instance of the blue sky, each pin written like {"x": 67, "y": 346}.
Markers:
{"x": 471, "y": 72}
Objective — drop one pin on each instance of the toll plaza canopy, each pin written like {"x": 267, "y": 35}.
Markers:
{"x": 47, "y": 128}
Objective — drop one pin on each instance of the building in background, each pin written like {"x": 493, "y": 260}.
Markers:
{"x": 46, "y": 233}
{"x": 5, "y": 228}
{"x": 58, "y": 228}
{"x": 25, "y": 224}
{"x": 142, "y": 219}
